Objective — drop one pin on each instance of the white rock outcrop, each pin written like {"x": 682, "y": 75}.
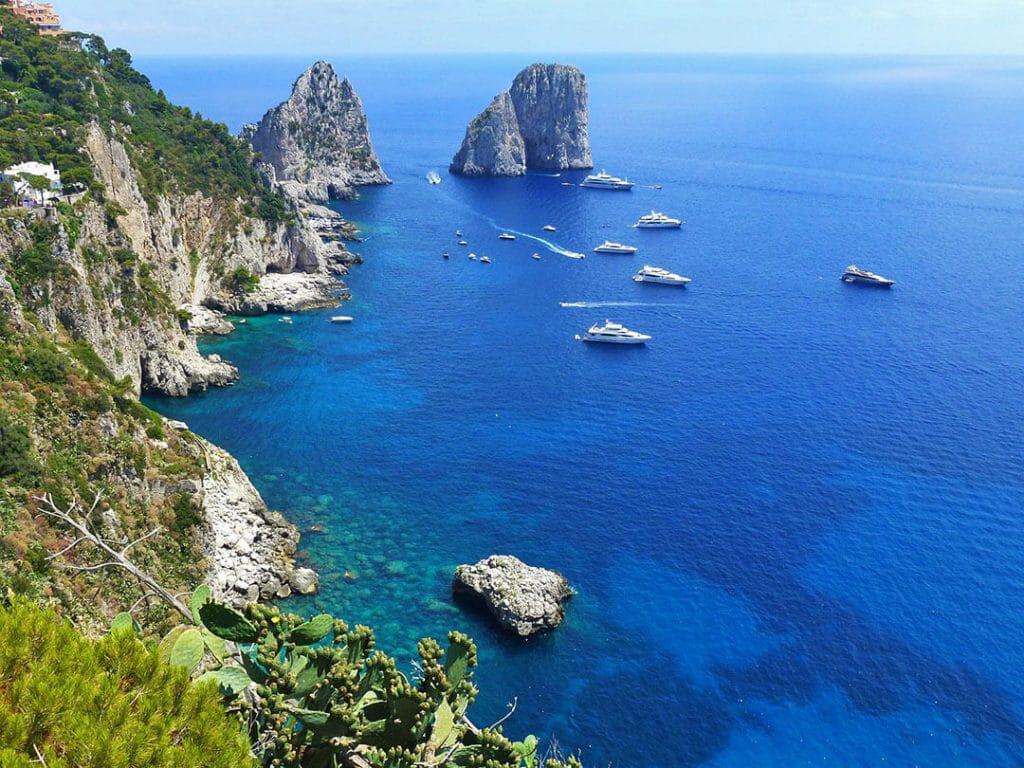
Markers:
{"x": 523, "y": 598}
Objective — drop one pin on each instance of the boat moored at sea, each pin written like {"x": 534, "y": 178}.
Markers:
{"x": 655, "y": 220}
{"x": 609, "y": 247}
{"x": 506, "y": 236}
{"x": 472, "y": 257}
{"x": 649, "y": 274}
{"x": 463, "y": 242}
{"x": 535, "y": 256}
{"x": 341, "y": 319}
{"x": 550, "y": 228}
{"x": 604, "y": 180}
{"x": 433, "y": 177}
{"x": 861, "y": 276}
{"x": 613, "y": 333}
{"x": 485, "y": 259}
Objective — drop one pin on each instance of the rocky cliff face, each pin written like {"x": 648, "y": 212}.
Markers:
{"x": 318, "y": 141}
{"x": 541, "y": 123}
{"x": 493, "y": 145}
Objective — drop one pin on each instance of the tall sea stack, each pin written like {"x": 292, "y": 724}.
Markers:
{"x": 540, "y": 123}
{"x": 318, "y": 141}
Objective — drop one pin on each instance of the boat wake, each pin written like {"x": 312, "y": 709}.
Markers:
{"x": 553, "y": 247}
{"x": 599, "y": 304}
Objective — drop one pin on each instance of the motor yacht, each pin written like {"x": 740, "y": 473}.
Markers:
{"x": 463, "y": 242}
{"x": 649, "y": 274}
{"x": 433, "y": 177}
{"x": 613, "y": 333}
{"x": 535, "y": 256}
{"x": 609, "y": 247}
{"x": 341, "y": 319}
{"x": 485, "y": 259}
{"x": 458, "y": 233}
{"x": 855, "y": 275}
{"x": 550, "y": 228}
{"x": 655, "y": 220}
{"x": 506, "y": 236}
{"x": 604, "y": 180}
{"x": 444, "y": 255}
{"x": 472, "y": 257}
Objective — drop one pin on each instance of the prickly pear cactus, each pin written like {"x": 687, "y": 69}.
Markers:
{"x": 318, "y": 695}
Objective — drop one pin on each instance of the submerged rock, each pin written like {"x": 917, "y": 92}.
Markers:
{"x": 318, "y": 141}
{"x": 304, "y": 581}
{"x": 523, "y": 598}
{"x": 540, "y": 123}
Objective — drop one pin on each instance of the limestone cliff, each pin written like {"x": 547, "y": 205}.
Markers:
{"x": 318, "y": 141}
{"x": 540, "y": 123}
{"x": 493, "y": 145}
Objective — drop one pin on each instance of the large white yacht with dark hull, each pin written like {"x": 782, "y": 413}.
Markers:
{"x": 655, "y": 220}
{"x": 604, "y": 180}
{"x": 609, "y": 247}
{"x": 658, "y": 275}
{"x": 853, "y": 274}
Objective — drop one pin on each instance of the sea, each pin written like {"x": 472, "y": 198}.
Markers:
{"x": 794, "y": 519}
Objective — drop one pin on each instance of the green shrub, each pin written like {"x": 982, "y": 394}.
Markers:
{"x": 187, "y": 514}
{"x": 44, "y": 363}
{"x": 16, "y": 461}
{"x": 108, "y": 703}
{"x": 243, "y": 281}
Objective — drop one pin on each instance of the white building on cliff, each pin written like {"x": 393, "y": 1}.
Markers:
{"x": 23, "y": 175}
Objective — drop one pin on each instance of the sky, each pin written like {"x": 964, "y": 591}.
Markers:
{"x": 310, "y": 27}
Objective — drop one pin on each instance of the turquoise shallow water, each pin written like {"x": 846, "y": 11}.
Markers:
{"x": 793, "y": 519}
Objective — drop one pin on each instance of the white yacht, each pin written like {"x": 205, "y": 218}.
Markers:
{"x": 433, "y": 177}
{"x": 506, "y": 236}
{"x": 341, "y": 319}
{"x": 609, "y": 247}
{"x": 472, "y": 257}
{"x": 604, "y": 180}
{"x": 463, "y": 242}
{"x": 285, "y": 319}
{"x": 536, "y": 257}
{"x": 550, "y": 228}
{"x": 655, "y": 220}
{"x": 613, "y": 333}
{"x": 651, "y": 274}
{"x": 485, "y": 259}
{"x": 855, "y": 275}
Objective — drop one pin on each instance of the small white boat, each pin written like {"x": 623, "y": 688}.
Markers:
{"x": 571, "y": 255}
{"x": 285, "y": 319}
{"x": 472, "y": 257}
{"x": 535, "y": 257}
{"x": 550, "y": 228}
{"x": 655, "y": 220}
{"x": 506, "y": 236}
{"x": 463, "y": 242}
{"x": 341, "y": 319}
{"x": 567, "y": 184}
{"x": 485, "y": 259}
{"x": 458, "y": 233}
{"x": 613, "y": 333}
{"x": 862, "y": 276}
{"x": 444, "y": 255}
{"x": 609, "y": 247}
{"x": 651, "y": 274}
{"x": 433, "y": 177}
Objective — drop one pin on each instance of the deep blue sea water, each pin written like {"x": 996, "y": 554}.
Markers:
{"x": 794, "y": 519}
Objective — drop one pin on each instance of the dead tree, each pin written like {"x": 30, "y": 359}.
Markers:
{"x": 113, "y": 554}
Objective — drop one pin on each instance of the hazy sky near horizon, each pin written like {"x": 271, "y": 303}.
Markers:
{"x": 553, "y": 26}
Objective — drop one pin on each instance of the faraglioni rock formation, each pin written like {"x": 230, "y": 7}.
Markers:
{"x": 524, "y": 599}
{"x": 318, "y": 141}
{"x": 540, "y": 123}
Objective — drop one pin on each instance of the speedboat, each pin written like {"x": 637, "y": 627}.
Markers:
{"x": 855, "y": 275}
{"x": 463, "y": 242}
{"x": 444, "y": 255}
{"x": 574, "y": 255}
{"x": 550, "y": 228}
{"x": 458, "y": 233}
{"x": 604, "y": 180}
{"x": 485, "y": 259}
{"x": 655, "y": 220}
{"x": 609, "y": 247}
{"x": 285, "y": 319}
{"x": 506, "y": 236}
{"x": 613, "y": 333}
{"x": 567, "y": 184}
{"x": 433, "y": 177}
{"x": 535, "y": 257}
{"x": 472, "y": 257}
{"x": 651, "y": 274}
{"x": 341, "y": 319}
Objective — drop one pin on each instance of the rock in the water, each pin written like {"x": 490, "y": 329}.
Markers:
{"x": 318, "y": 141}
{"x": 304, "y": 581}
{"x": 541, "y": 123}
{"x": 493, "y": 145}
{"x": 524, "y": 599}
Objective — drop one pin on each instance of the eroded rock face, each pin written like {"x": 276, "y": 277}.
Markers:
{"x": 541, "y": 123}
{"x": 493, "y": 145}
{"x": 551, "y": 104}
{"x": 524, "y": 599}
{"x": 318, "y": 141}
